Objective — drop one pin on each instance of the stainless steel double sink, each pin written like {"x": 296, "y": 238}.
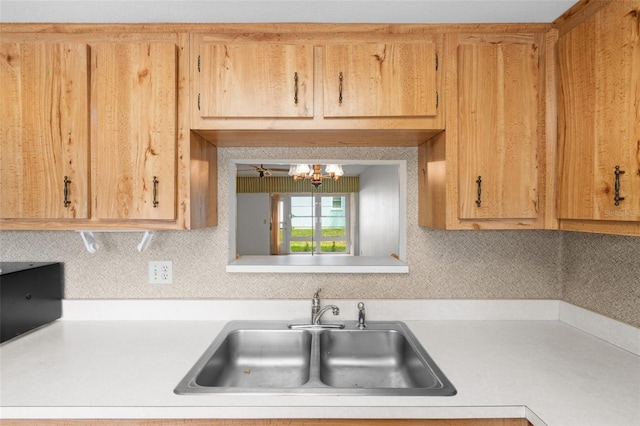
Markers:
{"x": 385, "y": 358}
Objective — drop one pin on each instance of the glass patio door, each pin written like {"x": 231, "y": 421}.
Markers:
{"x": 317, "y": 224}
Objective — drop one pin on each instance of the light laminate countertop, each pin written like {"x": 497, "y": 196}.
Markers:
{"x": 544, "y": 370}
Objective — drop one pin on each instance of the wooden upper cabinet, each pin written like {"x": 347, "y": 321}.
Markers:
{"x": 44, "y": 130}
{"x": 133, "y": 133}
{"x": 497, "y": 130}
{"x": 255, "y": 80}
{"x": 280, "y": 85}
{"x": 599, "y": 116}
{"x": 488, "y": 169}
{"x": 380, "y": 79}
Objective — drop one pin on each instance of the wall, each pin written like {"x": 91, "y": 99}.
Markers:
{"x": 379, "y": 200}
{"x": 602, "y": 273}
{"x": 461, "y": 264}
{"x": 443, "y": 264}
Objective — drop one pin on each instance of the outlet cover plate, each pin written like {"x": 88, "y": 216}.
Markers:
{"x": 160, "y": 272}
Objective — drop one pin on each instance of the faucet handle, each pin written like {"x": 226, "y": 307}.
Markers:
{"x": 316, "y": 295}
{"x": 361, "y": 322}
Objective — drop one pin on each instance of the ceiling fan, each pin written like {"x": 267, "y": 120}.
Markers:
{"x": 264, "y": 171}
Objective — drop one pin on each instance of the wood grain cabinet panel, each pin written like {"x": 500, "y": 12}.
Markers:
{"x": 44, "y": 130}
{"x": 133, "y": 108}
{"x": 497, "y": 130}
{"x": 379, "y": 79}
{"x": 280, "y": 85}
{"x": 255, "y": 80}
{"x": 488, "y": 169}
{"x": 599, "y": 118}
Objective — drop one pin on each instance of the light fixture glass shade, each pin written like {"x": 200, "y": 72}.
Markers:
{"x": 334, "y": 169}
{"x": 302, "y": 169}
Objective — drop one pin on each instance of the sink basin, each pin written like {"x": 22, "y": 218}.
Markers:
{"x": 385, "y": 358}
{"x": 372, "y": 359}
{"x": 259, "y": 359}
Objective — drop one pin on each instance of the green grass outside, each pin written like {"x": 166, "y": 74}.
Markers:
{"x": 326, "y": 232}
{"x": 325, "y": 246}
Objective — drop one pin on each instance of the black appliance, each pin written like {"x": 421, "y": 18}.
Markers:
{"x": 30, "y": 296}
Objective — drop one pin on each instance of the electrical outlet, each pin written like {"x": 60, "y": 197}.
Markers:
{"x": 160, "y": 272}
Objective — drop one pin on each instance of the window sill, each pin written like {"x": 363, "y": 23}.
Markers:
{"x": 319, "y": 264}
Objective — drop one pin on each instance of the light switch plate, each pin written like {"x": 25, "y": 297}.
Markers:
{"x": 160, "y": 272}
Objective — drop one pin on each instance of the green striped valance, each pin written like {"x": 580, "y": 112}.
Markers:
{"x": 286, "y": 184}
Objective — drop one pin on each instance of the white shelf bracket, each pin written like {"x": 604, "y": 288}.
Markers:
{"x": 89, "y": 241}
{"x": 91, "y": 244}
{"x": 146, "y": 239}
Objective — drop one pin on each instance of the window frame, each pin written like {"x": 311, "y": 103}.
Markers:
{"x": 356, "y": 264}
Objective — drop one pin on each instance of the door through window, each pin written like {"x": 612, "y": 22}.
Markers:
{"x": 314, "y": 224}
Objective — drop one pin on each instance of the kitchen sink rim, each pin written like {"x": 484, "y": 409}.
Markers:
{"x": 188, "y": 385}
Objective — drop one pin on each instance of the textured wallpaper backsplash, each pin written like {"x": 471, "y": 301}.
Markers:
{"x": 442, "y": 264}
{"x": 602, "y": 273}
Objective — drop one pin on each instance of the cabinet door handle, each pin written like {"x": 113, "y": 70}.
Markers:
{"x": 65, "y": 191}
{"x": 340, "y": 78}
{"x": 479, "y": 182}
{"x": 295, "y": 88}
{"x": 617, "y": 198}
{"x": 155, "y": 192}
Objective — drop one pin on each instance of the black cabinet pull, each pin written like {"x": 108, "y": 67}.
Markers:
{"x": 617, "y": 198}
{"x": 155, "y": 192}
{"x": 65, "y": 191}
{"x": 479, "y": 182}
{"x": 340, "y": 78}
{"x": 295, "y": 88}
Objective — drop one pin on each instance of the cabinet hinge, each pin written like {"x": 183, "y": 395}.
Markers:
{"x": 436, "y": 62}
{"x": 198, "y": 63}
{"x": 437, "y": 99}
{"x": 198, "y": 101}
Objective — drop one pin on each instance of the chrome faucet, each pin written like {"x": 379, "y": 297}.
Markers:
{"x": 316, "y": 318}
{"x": 317, "y": 312}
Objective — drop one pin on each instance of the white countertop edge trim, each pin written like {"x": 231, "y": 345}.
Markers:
{"x": 264, "y": 412}
{"x": 617, "y": 333}
{"x": 319, "y": 264}
{"x": 319, "y": 269}
{"x": 533, "y": 418}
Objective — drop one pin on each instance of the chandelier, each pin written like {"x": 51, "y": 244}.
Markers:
{"x": 314, "y": 172}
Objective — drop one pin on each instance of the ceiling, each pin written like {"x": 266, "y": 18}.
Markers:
{"x": 248, "y": 169}
{"x": 248, "y": 11}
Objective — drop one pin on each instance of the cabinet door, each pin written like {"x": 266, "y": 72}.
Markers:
{"x": 255, "y": 80}
{"x": 599, "y": 116}
{"x": 497, "y": 130}
{"x": 133, "y": 108}
{"x": 44, "y": 131}
{"x": 380, "y": 80}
